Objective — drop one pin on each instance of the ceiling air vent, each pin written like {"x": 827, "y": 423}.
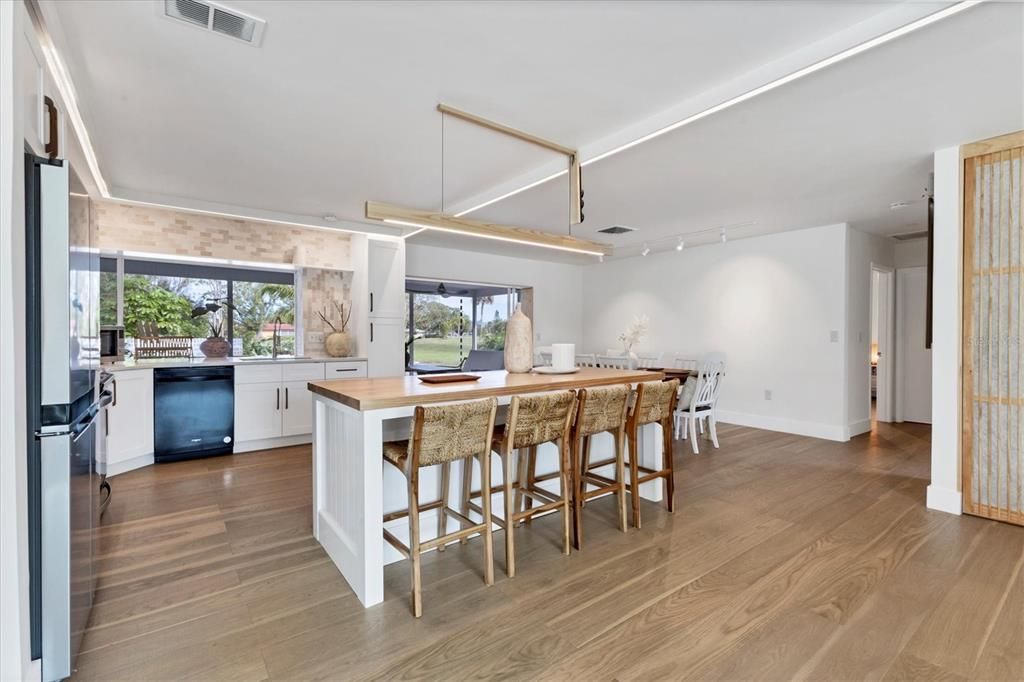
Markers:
{"x": 617, "y": 229}
{"x": 217, "y": 18}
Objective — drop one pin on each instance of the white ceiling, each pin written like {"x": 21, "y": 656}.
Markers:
{"x": 338, "y": 106}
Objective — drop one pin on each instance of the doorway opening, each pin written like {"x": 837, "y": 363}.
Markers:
{"x": 880, "y": 362}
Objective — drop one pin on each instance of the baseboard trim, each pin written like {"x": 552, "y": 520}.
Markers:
{"x": 796, "y": 427}
{"x": 857, "y": 428}
{"x": 124, "y": 466}
{"x": 945, "y": 500}
{"x": 269, "y": 443}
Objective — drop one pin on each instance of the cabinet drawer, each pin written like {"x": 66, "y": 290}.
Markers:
{"x": 305, "y": 371}
{"x": 258, "y": 374}
{"x": 346, "y": 370}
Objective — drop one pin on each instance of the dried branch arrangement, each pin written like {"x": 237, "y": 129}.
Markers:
{"x": 342, "y": 316}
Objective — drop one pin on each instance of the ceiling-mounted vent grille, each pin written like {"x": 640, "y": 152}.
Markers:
{"x": 617, "y": 229}
{"x": 188, "y": 10}
{"x": 216, "y": 18}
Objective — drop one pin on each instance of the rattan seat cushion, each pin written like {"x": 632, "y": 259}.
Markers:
{"x": 397, "y": 452}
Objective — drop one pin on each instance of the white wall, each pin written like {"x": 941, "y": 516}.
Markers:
{"x": 912, "y": 253}
{"x": 863, "y": 251}
{"x": 944, "y": 491}
{"x": 557, "y": 292}
{"x": 769, "y": 302}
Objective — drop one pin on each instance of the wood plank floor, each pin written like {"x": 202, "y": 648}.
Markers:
{"x": 787, "y": 558}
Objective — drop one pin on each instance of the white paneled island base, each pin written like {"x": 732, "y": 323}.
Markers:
{"x": 352, "y": 486}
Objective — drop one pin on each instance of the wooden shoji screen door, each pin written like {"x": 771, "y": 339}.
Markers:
{"x": 993, "y": 316}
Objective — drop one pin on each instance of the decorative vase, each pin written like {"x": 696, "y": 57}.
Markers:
{"x": 338, "y": 344}
{"x": 519, "y": 342}
{"x": 215, "y": 347}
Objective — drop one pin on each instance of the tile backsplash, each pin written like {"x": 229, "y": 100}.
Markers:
{"x": 126, "y": 227}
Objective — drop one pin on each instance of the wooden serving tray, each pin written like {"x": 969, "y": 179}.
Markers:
{"x": 448, "y": 378}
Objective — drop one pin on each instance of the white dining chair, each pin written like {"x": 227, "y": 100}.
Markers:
{"x": 704, "y": 402}
{"x": 612, "y": 361}
{"x": 542, "y": 358}
{"x": 586, "y": 360}
{"x": 648, "y": 360}
{"x": 684, "y": 361}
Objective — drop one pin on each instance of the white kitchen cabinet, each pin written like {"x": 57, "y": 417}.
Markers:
{"x": 257, "y": 411}
{"x": 129, "y": 422}
{"x": 272, "y": 402}
{"x": 297, "y": 415}
{"x": 385, "y": 351}
{"x": 386, "y": 278}
{"x": 345, "y": 369}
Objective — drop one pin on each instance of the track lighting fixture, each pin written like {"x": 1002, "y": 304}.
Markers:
{"x": 724, "y": 238}
{"x": 680, "y": 245}
{"x": 646, "y": 250}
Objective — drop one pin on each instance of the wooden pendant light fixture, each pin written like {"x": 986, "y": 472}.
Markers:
{"x": 443, "y": 222}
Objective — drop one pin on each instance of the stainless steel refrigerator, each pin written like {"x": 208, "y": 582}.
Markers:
{"x": 66, "y": 399}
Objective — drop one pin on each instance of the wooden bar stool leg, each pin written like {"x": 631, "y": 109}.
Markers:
{"x": 510, "y": 509}
{"x": 414, "y": 542}
{"x": 519, "y": 479}
{"x": 564, "y": 478}
{"x": 634, "y": 475}
{"x": 485, "y": 486}
{"x": 531, "y": 479}
{"x": 442, "y": 512}
{"x": 585, "y": 467}
{"x": 620, "y": 474}
{"x": 669, "y": 465}
{"x": 577, "y": 494}
{"x": 467, "y": 488}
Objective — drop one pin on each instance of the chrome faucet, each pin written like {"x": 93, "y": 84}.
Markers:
{"x": 277, "y": 336}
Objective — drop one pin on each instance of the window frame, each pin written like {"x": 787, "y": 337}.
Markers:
{"x": 209, "y": 268}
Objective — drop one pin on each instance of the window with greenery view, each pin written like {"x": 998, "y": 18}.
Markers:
{"x": 167, "y": 293}
{"x": 444, "y": 323}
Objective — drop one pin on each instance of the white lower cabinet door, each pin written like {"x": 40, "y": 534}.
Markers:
{"x": 297, "y": 415}
{"x": 129, "y": 423}
{"x": 258, "y": 410}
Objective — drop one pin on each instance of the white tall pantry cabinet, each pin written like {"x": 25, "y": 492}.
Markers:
{"x": 378, "y": 299}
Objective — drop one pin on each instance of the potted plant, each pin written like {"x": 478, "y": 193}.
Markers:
{"x": 636, "y": 331}
{"x": 338, "y": 344}
{"x": 215, "y": 346}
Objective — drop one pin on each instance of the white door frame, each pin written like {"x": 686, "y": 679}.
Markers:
{"x": 884, "y": 402}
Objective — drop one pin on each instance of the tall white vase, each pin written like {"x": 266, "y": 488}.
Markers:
{"x": 519, "y": 342}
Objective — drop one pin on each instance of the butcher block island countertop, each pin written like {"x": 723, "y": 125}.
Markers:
{"x": 353, "y": 488}
{"x": 385, "y": 392}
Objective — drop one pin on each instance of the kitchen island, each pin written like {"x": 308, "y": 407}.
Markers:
{"x": 352, "y": 488}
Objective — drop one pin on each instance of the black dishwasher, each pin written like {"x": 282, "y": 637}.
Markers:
{"x": 194, "y": 412}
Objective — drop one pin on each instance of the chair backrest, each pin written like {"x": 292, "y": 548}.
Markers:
{"x": 484, "y": 360}
{"x": 655, "y": 401}
{"x": 709, "y": 380}
{"x": 542, "y": 358}
{"x": 612, "y": 361}
{"x": 648, "y": 360}
{"x": 443, "y": 433}
{"x": 586, "y": 360}
{"x": 540, "y": 418}
{"x": 601, "y": 409}
{"x": 684, "y": 361}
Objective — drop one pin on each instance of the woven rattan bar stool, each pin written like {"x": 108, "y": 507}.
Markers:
{"x": 532, "y": 420}
{"x": 440, "y": 436}
{"x": 654, "y": 403}
{"x": 598, "y": 410}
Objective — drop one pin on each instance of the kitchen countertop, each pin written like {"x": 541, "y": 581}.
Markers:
{"x": 127, "y": 365}
{"x": 386, "y": 392}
